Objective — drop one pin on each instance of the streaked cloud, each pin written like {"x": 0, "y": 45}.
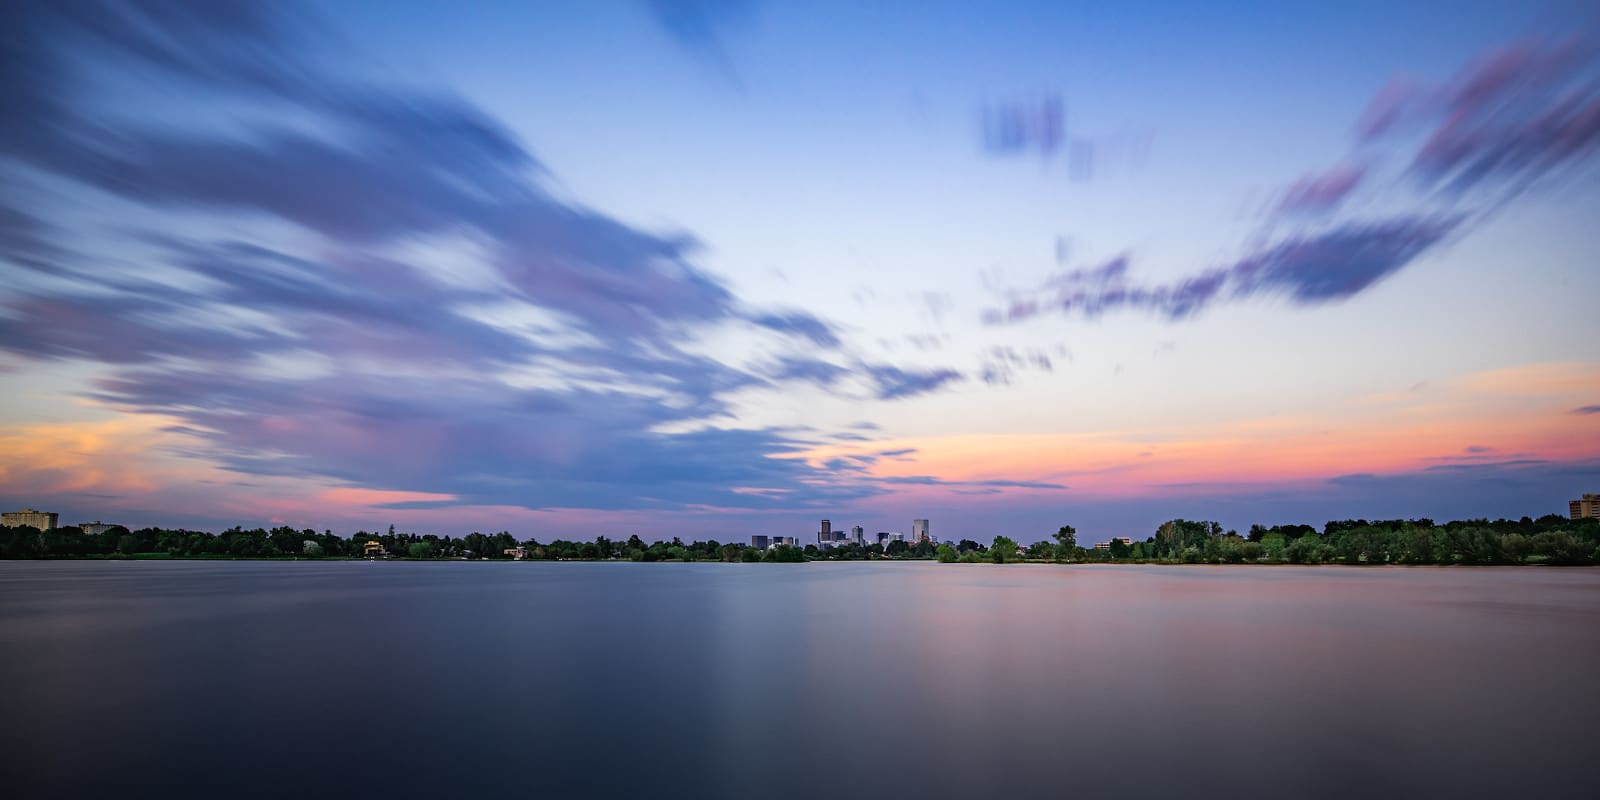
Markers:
{"x": 1508, "y": 118}
{"x": 1322, "y": 192}
{"x": 1307, "y": 270}
{"x": 1511, "y": 116}
{"x": 367, "y": 283}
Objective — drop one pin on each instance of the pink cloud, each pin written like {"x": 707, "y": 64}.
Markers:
{"x": 1322, "y": 192}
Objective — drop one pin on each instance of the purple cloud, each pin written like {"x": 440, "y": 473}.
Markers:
{"x": 799, "y": 323}
{"x": 1339, "y": 263}
{"x": 885, "y": 381}
{"x": 1585, "y": 410}
{"x": 1503, "y": 121}
{"x": 1001, "y": 364}
{"x": 1311, "y": 269}
{"x": 811, "y": 370}
{"x": 1512, "y": 116}
{"x": 356, "y": 349}
{"x": 1322, "y": 192}
{"x": 894, "y": 383}
{"x": 1022, "y": 126}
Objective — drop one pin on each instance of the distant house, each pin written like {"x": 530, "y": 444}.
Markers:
{"x": 374, "y": 549}
{"x": 517, "y": 553}
{"x": 1107, "y": 545}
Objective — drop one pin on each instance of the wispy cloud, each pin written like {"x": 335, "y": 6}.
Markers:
{"x": 1511, "y": 116}
{"x": 1502, "y": 123}
{"x": 1318, "y": 268}
{"x": 893, "y": 382}
{"x": 1322, "y": 192}
{"x": 368, "y": 284}
{"x": 700, "y": 26}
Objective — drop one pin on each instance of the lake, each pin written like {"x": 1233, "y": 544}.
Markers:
{"x": 289, "y": 679}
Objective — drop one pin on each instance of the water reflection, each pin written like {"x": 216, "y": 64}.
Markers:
{"x": 853, "y": 680}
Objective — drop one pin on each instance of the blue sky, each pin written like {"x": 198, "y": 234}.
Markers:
{"x": 727, "y": 267}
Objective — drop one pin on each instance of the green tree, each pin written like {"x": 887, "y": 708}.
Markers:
{"x": 1272, "y": 546}
{"x": 1002, "y": 550}
{"x": 420, "y": 549}
{"x": 946, "y": 554}
{"x": 311, "y": 548}
{"x": 1066, "y": 538}
{"x": 786, "y": 554}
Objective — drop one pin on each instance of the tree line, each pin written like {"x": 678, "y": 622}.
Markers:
{"x": 285, "y": 542}
{"x": 1550, "y": 539}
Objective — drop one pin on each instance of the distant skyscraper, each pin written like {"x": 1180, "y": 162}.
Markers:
{"x": 825, "y": 536}
{"x": 43, "y": 520}
{"x": 858, "y": 535}
{"x": 1586, "y": 506}
{"x": 760, "y": 542}
{"x": 919, "y": 531}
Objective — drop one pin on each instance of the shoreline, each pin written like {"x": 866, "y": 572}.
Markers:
{"x": 151, "y": 557}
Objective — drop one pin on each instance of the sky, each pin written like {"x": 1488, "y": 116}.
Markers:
{"x": 717, "y": 268}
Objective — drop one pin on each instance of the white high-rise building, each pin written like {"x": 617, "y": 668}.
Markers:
{"x": 33, "y": 518}
{"x": 919, "y": 531}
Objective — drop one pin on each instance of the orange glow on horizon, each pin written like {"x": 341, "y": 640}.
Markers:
{"x": 1512, "y": 414}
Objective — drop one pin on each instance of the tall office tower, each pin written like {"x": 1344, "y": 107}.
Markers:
{"x": 858, "y": 535}
{"x": 919, "y": 531}
{"x": 825, "y": 536}
{"x": 760, "y": 542}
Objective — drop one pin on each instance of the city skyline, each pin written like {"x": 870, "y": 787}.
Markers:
{"x": 362, "y": 264}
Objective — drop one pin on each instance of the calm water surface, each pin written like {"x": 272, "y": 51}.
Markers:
{"x": 852, "y": 680}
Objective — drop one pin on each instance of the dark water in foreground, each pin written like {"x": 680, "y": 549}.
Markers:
{"x": 708, "y": 680}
